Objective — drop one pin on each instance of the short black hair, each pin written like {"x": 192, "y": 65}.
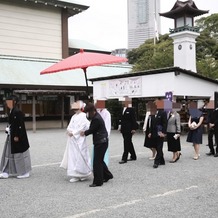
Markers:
{"x": 13, "y": 98}
{"x": 90, "y": 107}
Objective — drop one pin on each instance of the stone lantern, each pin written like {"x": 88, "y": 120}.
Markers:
{"x": 184, "y": 33}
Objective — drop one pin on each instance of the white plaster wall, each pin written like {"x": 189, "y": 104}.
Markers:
{"x": 158, "y": 84}
{"x": 151, "y": 86}
{"x": 33, "y": 32}
{"x": 191, "y": 86}
{"x": 185, "y": 57}
{"x": 101, "y": 90}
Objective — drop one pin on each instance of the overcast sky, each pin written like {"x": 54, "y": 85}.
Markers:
{"x": 105, "y": 22}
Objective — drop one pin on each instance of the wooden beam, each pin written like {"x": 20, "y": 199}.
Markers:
{"x": 34, "y": 113}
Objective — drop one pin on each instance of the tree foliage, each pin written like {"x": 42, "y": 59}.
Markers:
{"x": 152, "y": 56}
{"x": 207, "y": 46}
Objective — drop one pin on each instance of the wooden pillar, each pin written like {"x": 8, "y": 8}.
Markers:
{"x": 62, "y": 111}
{"x": 34, "y": 113}
{"x": 64, "y": 32}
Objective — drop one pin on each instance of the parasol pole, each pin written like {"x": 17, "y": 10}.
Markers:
{"x": 87, "y": 87}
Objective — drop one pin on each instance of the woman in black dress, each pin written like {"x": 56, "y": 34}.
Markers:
{"x": 196, "y": 130}
{"x": 149, "y": 142}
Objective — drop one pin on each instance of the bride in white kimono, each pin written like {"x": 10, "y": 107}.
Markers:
{"x": 76, "y": 158}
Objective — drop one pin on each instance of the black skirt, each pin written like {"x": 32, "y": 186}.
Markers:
{"x": 150, "y": 142}
{"x": 173, "y": 144}
{"x": 195, "y": 136}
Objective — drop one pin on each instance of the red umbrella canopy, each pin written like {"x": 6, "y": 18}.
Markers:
{"x": 83, "y": 60}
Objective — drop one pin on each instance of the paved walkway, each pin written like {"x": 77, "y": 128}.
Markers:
{"x": 187, "y": 188}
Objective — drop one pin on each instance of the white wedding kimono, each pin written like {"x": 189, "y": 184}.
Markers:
{"x": 105, "y": 114}
{"x": 76, "y": 156}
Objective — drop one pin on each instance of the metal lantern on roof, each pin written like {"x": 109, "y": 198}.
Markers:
{"x": 183, "y": 13}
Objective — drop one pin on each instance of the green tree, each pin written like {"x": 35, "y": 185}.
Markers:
{"x": 151, "y": 56}
{"x": 207, "y": 46}
{"x": 209, "y": 24}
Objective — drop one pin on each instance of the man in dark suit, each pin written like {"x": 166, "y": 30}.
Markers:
{"x": 100, "y": 140}
{"x": 214, "y": 124}
{"x": 211, "y": 133}
{"x": 128, "y": 127}
{"x": 159, "y": 127}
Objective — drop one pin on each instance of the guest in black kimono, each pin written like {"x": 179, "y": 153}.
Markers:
{"x": 16, "y": 156}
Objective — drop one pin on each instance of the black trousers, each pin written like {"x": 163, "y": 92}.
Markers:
{"x": 216, "y": 138}
{"x": 159, "y": 159}
{"x": 210, "y": 140}
{"x": 128, "y": 147}
{"x": 100, "y": 169}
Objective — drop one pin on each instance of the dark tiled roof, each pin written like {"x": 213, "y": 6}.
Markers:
{"x": 181, "y": 8}
{"x": 72, "y": 6}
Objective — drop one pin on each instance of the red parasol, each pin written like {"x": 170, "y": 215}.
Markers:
{"x": 83, "y": 60}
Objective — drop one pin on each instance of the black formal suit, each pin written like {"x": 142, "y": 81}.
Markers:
{"x": 214, "y": 120}
{"x": 211, "y": 133}
{"x": 128, "y": 124}
{"x": 158, "y": 123}
{"x": 100, "y": 140}
{"x": 17, "y": 129}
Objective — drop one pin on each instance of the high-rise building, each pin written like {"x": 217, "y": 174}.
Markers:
{"x": 143, "y": 21}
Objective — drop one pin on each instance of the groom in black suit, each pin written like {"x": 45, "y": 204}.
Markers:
{"x": 128, "y": 128}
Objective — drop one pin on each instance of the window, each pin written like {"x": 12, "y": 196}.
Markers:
{"x": 189, "y": 21}
{"x": 142, "y": 8}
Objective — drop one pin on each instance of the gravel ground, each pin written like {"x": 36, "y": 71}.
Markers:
{"x": 187, "y": 188}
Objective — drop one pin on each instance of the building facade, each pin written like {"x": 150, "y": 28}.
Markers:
{"x": 143, "y": 21}
{"x": 34, "y": 36}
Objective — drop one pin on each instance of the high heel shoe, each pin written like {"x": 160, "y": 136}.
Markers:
{"x": 196, "y": 157}
{"x": 178, "y": 157}
{"x": 172, "y": 161}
